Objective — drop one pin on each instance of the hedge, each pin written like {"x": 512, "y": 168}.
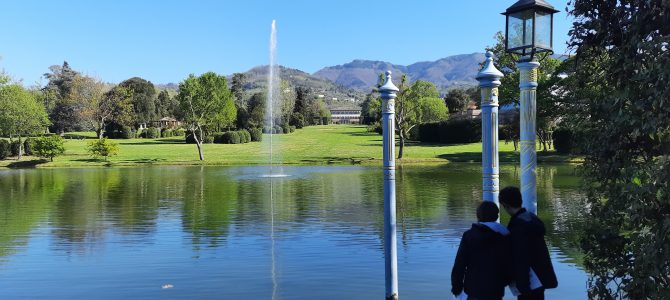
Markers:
{"x": 563, "y": 140}
{"x": 245, "y": 136}
{"x": 151, "y": 133}
{"x": 28, "y": 146}
{"x": 256, "y": 134}
{"x": 167, "y": 132}
{"x": 14, "y": 147}
{"x": 461, "y": 131}
{"x": 4, "y": 149}
{"x": 231, "y": 137}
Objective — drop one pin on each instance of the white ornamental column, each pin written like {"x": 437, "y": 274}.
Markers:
{"x": 528, "y": 87}
{"x": 388, "y": 94}
{"x": 489, "y": 80}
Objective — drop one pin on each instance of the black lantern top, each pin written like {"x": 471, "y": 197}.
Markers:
{"x": 529, "y": 27}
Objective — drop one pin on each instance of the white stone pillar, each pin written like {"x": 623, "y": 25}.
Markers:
{"x": 528, "y": 87}
{"x": 489, "y": 80}
{"x": 388, "y": 94}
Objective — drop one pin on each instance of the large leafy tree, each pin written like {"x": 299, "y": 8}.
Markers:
{"x": 417, "y": 104}
{"x": 64, "y": 112}
{"x": 21, "y": 114}
{"x": 144, "y": 99}
{"x": 619, "y": 91}
{"x": 457, "y": 100}
{"x": 206, "y": 101}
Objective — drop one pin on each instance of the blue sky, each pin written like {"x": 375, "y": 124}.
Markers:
{"x": 164, "y": 41}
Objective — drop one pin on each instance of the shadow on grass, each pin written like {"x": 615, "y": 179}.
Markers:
{"x": 72, "y": 136}
{"x": 157, "y": 142}
{"x": 26, "y": 163}
{"x": 507, "y": 156}
{"x": 337, "y": 160}
{"x": 89, "y": 160}
{"x": 144, "y": 160}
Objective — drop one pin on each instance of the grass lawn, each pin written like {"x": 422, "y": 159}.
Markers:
{"x": 332, "y": 144}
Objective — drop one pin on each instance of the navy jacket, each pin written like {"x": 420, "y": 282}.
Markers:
{"x": 483, "y": 264}
{"x": 530, "y": 251}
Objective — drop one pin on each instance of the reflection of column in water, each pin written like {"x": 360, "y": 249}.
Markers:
{"x": 272, "y": 240}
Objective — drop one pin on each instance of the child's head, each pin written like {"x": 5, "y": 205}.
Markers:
{"x": 510, "y": 199}
{"x": 487, "y": 212}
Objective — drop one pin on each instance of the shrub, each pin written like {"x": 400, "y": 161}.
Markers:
{"x": 208, "y": 139}
{"x": 190, "y": 138}
{"x": 563, "y": 140}
{"x": 103, "y": 147}
{"x": 297, "y": 120}
{"x": 4, "y": 149}
{"x": 14, "y": 148}
{"x": 285, "y": 129}
{"x": 268, "y": 130}
{"x": 231, "y": 137}
{"x": 291, "y": 129}
{"x": 28, "y": 146}
{"x": 277, "y": 130}
{"x": 245, "y": 136}
{"x": 375, "y": 127}
{"x": 179, "y": 132}
{"x": 167, "y": 132}
{"x": 459, "y": 131}
{"x": 48, "y": 146}
{"x": 117, "y": 131}
{"x": 218, "y": 137}
{"x": 151, "y": 133}
{"x": 256, "y": 134}
{"x": 126, "y": 132}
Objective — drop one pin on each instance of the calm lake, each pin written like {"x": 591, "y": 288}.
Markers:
{"x": 227, "y": 233}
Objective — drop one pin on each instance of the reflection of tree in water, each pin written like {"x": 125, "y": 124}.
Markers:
{"x": 28, "y": 196}
{"x": 209, "y": 199}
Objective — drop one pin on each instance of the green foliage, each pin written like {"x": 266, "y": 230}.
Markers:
{"x": 206, "y": 100}
{"x": 49, "y": 146}
{"x": 64, "y": 112}
{"x": 415, "y": 105}
{"x": 208, "y": 139}
{"x": 291, "y": 129}
{"x": 15, "y": 147}
{"x": 4, "y": 149}
{"x": 28, "y": 146}
{"x": 256, "y": 134}
{"x": 20, "y": 113}
{"x": 297, "y": 120}
{"x": 245, "y": 136}
{"x": 457, "y": 100}
{"x": 230, "y": 137}
{"x": 458, "y": 131}
{"x": 143, "y": 99}
{"x": 151, "y": 133}
{"x": 618, "y": 92}
{"x": 563, "y": 140}
{"x": 103, "y": 147}
{"x": 285, "y": 129}
{"x": 179, "y": 132}
{"x": 256, "y": 110}
{"x": 167, "y": 132}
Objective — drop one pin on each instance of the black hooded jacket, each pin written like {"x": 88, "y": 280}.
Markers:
{"x": 483, "y": 264}
{"x": 530, "y": 251}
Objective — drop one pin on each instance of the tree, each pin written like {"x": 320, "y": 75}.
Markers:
{"x": 618, "y": 91}
{"x": 547, "y": 112}
{"x": 206, "y": 101}
{"x": 457, "y": 100}
{"x": 103, "y": 147}
{"x": 89, "y": 92}
{"x": 413, "y": 107}
{"x": 166, "y": 105}
{"x": 64, "y": 113}
{"x": 21, "y": 114}
{"x": 256, "y": 108}
{"x": 144, "y": 99}
{"x": 49, "y": 146}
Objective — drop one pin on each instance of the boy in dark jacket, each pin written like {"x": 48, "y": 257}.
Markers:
{"x": 532, "y": 270}
{"x": 482, "y": 263}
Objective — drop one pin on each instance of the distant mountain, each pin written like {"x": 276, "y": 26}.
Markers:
{"x": 362, "y": 75}
{"x": 257, "y": 82}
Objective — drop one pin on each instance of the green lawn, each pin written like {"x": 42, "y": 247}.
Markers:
{"x": 332, "y": 144}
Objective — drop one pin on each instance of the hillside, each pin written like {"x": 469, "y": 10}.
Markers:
{"x": 361, "y": 75}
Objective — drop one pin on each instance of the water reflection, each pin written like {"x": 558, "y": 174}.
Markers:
{"x": 212, "y": 231}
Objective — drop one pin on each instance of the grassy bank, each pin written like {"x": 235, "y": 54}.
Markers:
{"x": 333, "y": 144}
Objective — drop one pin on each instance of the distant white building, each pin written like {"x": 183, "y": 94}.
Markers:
{"x": 345, "y": 115}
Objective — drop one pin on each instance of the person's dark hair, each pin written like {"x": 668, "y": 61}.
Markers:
{"x": 510, "y": 196}
{"x": 487, "y": 212}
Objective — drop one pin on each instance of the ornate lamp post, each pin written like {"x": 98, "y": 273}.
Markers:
{"x": 388, "y": 94}
{"x": 529, "y": 31}
{"x": 489, "y": 80}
